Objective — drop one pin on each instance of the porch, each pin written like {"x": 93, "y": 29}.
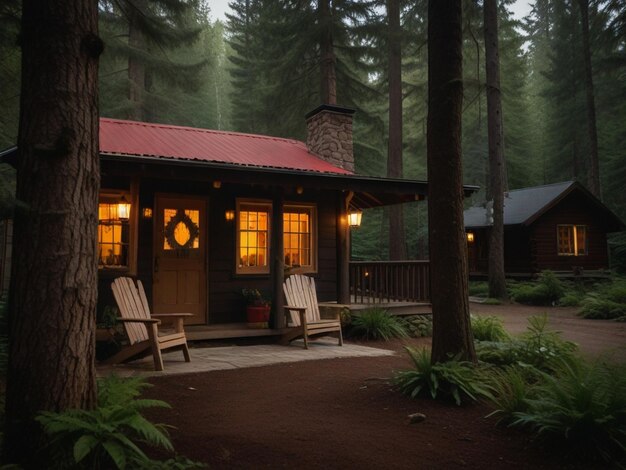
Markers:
{"x": 400, "y": 287}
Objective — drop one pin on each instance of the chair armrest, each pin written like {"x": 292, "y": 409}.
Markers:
{"x": 171, "y": 315}
{"x": 299, "y": 309}
{"x": 147, "y": 321}
{"x": 332, "y": 310}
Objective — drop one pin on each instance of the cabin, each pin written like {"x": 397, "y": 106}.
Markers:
{"x": 558, "y": 227}
{"x": 199, "y": 215}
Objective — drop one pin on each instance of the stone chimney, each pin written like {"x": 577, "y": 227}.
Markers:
{"x": 329, "y": 135}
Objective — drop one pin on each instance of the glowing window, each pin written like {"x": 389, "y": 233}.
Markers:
{"x": 113, "y": 234}
{"x": 298, "y": 236}
{"x": 253, "y": 237}
{"x": 572, "y": 240}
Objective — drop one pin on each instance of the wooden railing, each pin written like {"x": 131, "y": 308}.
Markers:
{"x": 389, "y": 281}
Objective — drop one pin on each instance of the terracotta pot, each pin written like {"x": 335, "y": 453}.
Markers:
{"x": 258, "y": 316}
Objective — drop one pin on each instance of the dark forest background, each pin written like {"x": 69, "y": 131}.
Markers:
{"x": 167, "y": 61}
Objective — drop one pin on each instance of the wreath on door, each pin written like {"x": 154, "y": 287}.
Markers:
{"x": 170, "y": 230}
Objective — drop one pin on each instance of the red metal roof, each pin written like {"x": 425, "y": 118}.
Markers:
{"x": 188, "y": 143}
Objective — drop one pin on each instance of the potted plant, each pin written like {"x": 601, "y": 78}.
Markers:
{"x": 257, "y": 308}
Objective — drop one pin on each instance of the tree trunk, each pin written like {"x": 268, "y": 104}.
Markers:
{"x": 328, "y": 92}
{"x": 397, "y": 236}
{"x": 495, "y": 193}
{"x": 452, "y": 334}
{"x": 593, "y": 177}
{"x": 136, "y": 67}
{"x": 52, "y": 309}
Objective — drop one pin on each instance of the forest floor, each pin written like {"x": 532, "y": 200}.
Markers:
{"x": 343, "y": 413}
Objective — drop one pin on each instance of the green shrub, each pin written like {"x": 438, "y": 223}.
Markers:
{"x": 488, "y": 328}
{"x": 459, "y": 380}
{"x": 537, "y": 347}
{"x": 616, "y": 292}
{"x": 419, "y": 325}
{"x": 107, "y": 436}
{"x": 583, "y": 404}
{"x": 478, "y": 289}
{"x": 540, "y": 347}
{"x": 498, "y": 353}
{"x": 571, "y": 299}
{"x": 546, "y": 291}
{"x": 376, "y": 323}
{"x": 492, "y": 301}
{"x": 511, "y": 387}
{"x": 597, "y": 308}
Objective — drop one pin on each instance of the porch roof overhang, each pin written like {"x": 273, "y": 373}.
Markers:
{"x": 368, "y": 191}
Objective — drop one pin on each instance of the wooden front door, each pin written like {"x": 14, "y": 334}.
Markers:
{"x": 179, "y": 281}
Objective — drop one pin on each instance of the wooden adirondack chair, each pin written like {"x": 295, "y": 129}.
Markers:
{"x": 142, "y": 328}
{"x": 303, "y": 311}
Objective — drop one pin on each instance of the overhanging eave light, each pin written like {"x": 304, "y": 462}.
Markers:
{"x": 354, "y": 218}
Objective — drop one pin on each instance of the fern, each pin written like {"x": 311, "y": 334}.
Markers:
{"x": 376, "y": 323}
{"x": 459, "y": 380}
{"x": 107, "y": 436}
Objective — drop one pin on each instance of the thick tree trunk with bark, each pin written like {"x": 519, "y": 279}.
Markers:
{"x": 328, "y": 91}
{"x": 452, "y": 334}
{"x": 397, "y": 237}
{"x": 54, "y": 279}
{"x": 496, "y": 187}
{"x": 593, "y": 177}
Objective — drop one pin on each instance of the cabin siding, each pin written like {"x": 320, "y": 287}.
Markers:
{"x": 225, "y": 302}
{"x": 575, "y": 209}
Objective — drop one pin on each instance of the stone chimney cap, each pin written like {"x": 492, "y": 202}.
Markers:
{"x": 330, "y": 107}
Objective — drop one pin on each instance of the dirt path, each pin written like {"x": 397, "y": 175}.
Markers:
{"x": 343, "y": 413}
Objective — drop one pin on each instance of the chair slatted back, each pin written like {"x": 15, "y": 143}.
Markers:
{"x": 300, "y": 292}
{"x": 131, "y": 305}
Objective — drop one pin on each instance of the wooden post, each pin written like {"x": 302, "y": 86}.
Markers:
{"x": 343, "y": 249}
{"x": 277, "y": 269}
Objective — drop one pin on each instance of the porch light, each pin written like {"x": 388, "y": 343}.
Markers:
{"x": 123, "y": 209}
{"x": 354, "y": 218}
{"x": 147, "y": 212}
{"x": 217, "y": 184}
{"x": 470, "y": 237}
{"x": 229, "y": 215}
{"x": 299, "y": 190}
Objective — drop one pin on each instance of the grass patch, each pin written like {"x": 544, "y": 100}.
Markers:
{"x": 478, "y": 289}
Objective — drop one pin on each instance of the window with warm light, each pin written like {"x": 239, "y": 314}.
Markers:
{"x": 113, "y": 232}
{"x": 253, "y": 237}
{"x": 572, "y": 240}
{"x": 298, "y": 238}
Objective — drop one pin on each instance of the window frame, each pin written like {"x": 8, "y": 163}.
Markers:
{"x": 573, "y": 232}
{"x": 267, "y": 204}
{"x": 313, "y": 245}
{"x": 252, "y": 270}
{"x": 132, "y": 196}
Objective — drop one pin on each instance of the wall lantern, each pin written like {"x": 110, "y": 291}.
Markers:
{"x": 147, "y": 212}
{"x": 354, "y": 218}
{"x": 229, "y": 215}
{"x": 217, "y": 184}
{"x": 299, "y": 190}
{"x": 470, "y": 237}
{"x": 123, "y": 209}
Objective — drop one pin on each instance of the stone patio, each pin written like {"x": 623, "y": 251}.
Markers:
{"x": 205, "y": 359}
